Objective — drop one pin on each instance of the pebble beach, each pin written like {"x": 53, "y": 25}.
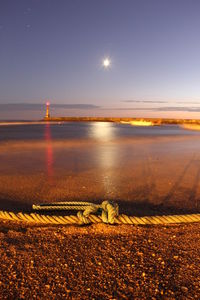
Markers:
{"x": 99, "y": 262}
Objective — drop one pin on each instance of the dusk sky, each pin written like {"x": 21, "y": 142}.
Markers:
{"x": 53, "y": 49}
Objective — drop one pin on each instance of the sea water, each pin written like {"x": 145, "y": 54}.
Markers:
{"x": 139, "y": 167}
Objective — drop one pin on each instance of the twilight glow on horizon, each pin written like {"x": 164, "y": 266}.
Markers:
{"x": 134, "y": 58}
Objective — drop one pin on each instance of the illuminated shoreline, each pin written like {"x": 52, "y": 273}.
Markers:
{"x": 153, "y": 121}
{"x": 128, "y": 121}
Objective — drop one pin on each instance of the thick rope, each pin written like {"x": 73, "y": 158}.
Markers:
{"x": 121, "y": 219}
{"x": 86, "y": 215}
{"x": 108, "y": 208}
{"x": 64, "y": 206}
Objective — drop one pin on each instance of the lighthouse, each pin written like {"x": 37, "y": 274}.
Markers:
{"x": 47, "y": 116}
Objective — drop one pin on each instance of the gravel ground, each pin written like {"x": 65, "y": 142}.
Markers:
{"x": 99, "y": 262}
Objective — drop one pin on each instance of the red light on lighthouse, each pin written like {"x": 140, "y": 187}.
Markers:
{"x": 47, "y": 116}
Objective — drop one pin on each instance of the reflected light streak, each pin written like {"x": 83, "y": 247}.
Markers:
{"x": 49, "y": 151}
{"x": 103, "y": 131}
{"x": 108, "y": 162}
{"x": 107, "y": 156}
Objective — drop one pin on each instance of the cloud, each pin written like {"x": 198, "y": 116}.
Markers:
{"x": 75, "y": 106}
{"x": 129, "y": 108}
{"x": 39, "y": 106}
{"x": 144, "y": 101}
{"x": 159, "y": 101}
{"x": 187, "y": 102}
{"x": 177, "y": 108}
{"x": 165, "y": 108}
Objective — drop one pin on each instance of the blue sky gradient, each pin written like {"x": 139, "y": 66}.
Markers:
{"x": 53, "y": 50}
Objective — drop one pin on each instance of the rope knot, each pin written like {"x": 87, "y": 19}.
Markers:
{"x": 110, "y": 210}
{"x": 83, "y": 216}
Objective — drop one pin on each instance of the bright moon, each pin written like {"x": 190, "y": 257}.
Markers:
{"x": 106, "y": 63}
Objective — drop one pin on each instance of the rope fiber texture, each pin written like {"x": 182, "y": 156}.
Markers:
{"x": 90, "y": 213}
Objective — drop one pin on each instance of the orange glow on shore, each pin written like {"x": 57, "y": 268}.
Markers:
{"x": 138, "y": 123}
{"x": 191, "y": 126}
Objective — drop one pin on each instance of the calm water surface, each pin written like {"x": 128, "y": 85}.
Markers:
{"x": 144, "y": 166}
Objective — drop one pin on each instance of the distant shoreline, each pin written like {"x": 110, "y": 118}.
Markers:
{"x": 155, "y": 121}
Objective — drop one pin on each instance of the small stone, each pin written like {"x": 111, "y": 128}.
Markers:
{"x": 47, "y": 286}
{"x": 184, "y": 289}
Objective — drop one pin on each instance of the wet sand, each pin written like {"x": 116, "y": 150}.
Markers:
{"x": 149, "y": 183}
{"x": 144, "y": 175}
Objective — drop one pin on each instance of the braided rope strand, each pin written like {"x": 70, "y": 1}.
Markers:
{"x": 121, "y": 219}
{"x": 89, "y": 213}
